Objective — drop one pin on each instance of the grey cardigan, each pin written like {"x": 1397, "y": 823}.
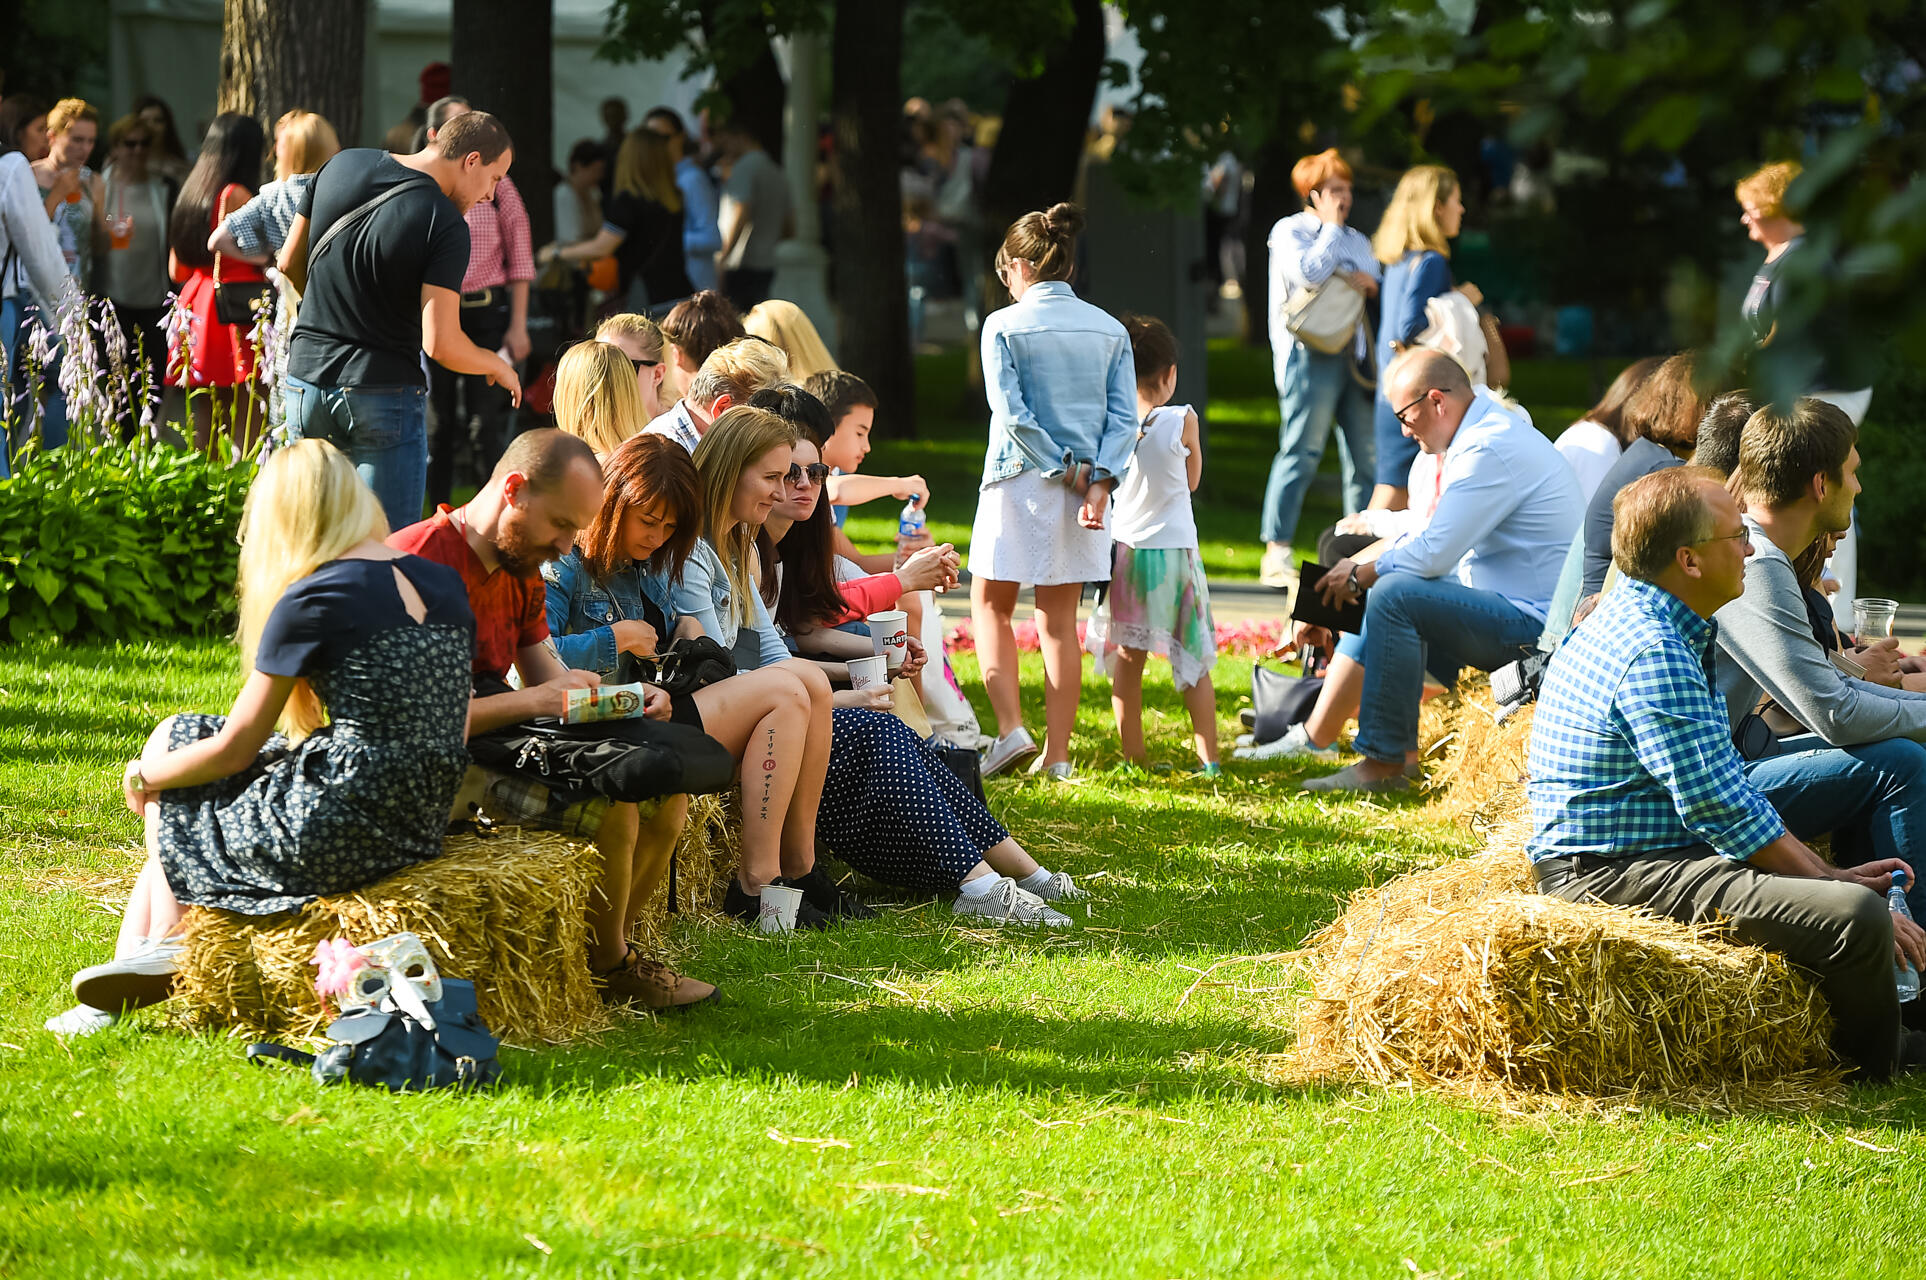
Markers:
{"x": 1766, "y": 645}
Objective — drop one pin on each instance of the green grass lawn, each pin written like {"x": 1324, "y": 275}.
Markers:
{"x": 1242, "y": 439}
{"x": 896, "y": 1098}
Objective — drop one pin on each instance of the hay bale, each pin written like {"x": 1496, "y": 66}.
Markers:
{"x": 1460, "y": 977}
{"x": 1483, "y": 770}
{"x": 506, "y": 911}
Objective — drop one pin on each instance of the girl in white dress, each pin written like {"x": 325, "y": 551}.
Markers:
{"x": 1063, "y": 418}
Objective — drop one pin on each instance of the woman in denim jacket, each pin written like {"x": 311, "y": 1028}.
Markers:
{"x": 1063, "y": 419}
{"x": 608, "y": 602}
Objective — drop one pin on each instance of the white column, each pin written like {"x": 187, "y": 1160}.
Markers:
{"x": 802, "y": 266}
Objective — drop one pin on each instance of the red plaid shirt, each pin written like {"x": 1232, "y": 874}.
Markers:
{"x": 498, "y": 246}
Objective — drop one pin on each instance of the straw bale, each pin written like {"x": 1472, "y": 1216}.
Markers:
{"x": 504, "y": 910}
{"x": 1484, "y": 767}
{"x": 1461, "y": 978}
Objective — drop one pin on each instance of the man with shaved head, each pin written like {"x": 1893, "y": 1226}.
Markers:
{"x": 1472, "y": 589}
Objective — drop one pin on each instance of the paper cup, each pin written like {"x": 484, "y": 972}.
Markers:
{"x": 778, "y": 909}
{"x": 889, "y": 635}
{"x": 865, "y": 672}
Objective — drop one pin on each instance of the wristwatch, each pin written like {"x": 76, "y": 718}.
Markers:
{"x": 1352, "y": 582}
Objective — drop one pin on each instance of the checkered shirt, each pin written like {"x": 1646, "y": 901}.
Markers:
{"x": 262, "y": 224}
{"x": 1631, "y": 751}
{"x": 498, "y": 242}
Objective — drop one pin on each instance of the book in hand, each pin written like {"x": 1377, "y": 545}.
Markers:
{"x": 604, "y": 702}
{"x": 1310, "y": 609}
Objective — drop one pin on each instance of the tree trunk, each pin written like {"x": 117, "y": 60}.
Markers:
{"x": 500, "y": 55}
{"x": 1044, "y": 125}
{"x": 872, "y": 297}
{"x": 1272, "y": 197}
{"x": 747, "y": 72}
{"x": 277, "y": 56}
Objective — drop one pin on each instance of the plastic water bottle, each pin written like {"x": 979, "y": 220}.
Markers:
{"x": 1904, "y": 974}
{"x": 913, "y": 520}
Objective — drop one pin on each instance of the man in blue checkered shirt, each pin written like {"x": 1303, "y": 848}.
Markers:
{"x": 1639, "y": 798}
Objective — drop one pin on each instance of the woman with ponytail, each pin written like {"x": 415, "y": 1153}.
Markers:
{"x": 1063, "y": 420}
{"x": 360, "y": 655}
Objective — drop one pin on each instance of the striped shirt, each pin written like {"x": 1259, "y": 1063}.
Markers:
{"x": 1631, "y": 751}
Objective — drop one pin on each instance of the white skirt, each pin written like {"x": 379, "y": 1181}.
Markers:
{"x": 1027, "y": 532}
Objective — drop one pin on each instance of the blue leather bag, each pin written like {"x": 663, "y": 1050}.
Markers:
{"x": 392, "y": 1050}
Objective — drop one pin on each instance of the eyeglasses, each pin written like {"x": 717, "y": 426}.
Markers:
{"x": 1399, "y": 415}
{"x": 816, "y": 471}
{"x": 1720, "y": 537}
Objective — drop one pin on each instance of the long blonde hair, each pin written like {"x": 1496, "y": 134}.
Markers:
{"x": 315, "y": 143}
{"x": 644, "y": 167}
{"x": 1411, "y": 220}
{"x": 726, "y": 450}
{"x": 596, "y": 396}
{"x": 307, "y": 506}
{"x": 784, "y": 324}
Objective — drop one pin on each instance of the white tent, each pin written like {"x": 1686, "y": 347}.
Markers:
{"x": 173, "y": 48}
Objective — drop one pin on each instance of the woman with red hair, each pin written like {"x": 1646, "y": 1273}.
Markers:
{"x": 1322, "y": 271}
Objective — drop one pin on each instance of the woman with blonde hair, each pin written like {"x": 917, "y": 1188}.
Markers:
{"x": 1413, "y": 242}
{"x": 361, "y": 656}
{"x": 641, "y": 340}
{"x": 784, "y": 324}
{"x": 596, "y": 396}
{"x": 641, "y": 226}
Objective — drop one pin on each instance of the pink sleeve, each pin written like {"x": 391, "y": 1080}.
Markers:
{"x": 517, "y": 251}
{"x": 870, "y": 595}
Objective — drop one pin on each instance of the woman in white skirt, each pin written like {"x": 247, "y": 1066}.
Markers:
{"x": 1063, "y": 418}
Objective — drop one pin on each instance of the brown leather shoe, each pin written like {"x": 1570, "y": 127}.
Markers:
{"x": 652, "y": 985}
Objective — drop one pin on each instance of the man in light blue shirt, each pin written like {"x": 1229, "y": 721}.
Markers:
{"x": 1472, "y": 588}
{"x": 701, "y": 234}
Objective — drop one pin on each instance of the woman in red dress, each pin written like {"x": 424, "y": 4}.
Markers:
{"x": 211, "y": 361}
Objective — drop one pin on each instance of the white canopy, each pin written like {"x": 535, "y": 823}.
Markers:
{"x": 173, "y": 48}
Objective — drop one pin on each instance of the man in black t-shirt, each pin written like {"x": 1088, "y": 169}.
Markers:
{"x": 383, "y": 289}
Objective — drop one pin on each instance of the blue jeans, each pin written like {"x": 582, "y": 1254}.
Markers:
{"x": 17, "y": 327}
{"x": 383, "y": 430}
{"x": 1315, "y": 391}
{"x": 1571, "y": 581}
{"x": 1413, "y": 623}
{"x": 1871, "y": 798}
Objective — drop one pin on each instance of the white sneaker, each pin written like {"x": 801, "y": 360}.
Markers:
{"x": 144, "y": 977}
{"x": 1061, "y": 771}
{"x": 1010, "y": 903}
{"x": 1060, "y": 888}
{"x": 1296, "y": 743}
{"x": 1277, "y": 570}
{"x": 81, "y": 1020}
{"x": 1008, "y": 750}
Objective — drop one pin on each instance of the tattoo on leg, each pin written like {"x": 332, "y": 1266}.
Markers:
{"x": 768, "y": 773}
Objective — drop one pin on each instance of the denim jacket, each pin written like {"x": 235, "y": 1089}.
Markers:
{"x": 703, "y": 594}
{"x": 581, "y": 611}
{"x": 1060, "y": 378}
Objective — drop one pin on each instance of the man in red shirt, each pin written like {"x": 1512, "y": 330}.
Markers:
{"x": 545, "y": 489}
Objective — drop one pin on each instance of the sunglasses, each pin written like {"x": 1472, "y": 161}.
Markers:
{"x": 816, "y": 471}
{"x": 640, "y": 365}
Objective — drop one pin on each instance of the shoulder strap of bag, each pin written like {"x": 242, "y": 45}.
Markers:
{"x": 356, "y": 215}
{"x": 220, "y": 216}
{"x": 261, "y": 1054}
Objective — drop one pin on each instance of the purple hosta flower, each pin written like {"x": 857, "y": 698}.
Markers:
{"x": 90, "y": 400}
{"x": 149, "y": 420}
{"x": 178, "y": 325}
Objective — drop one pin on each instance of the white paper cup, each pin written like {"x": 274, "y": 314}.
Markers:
{"x": 889, "y": 635}
{"x": 865, "y": 672}
{"x": 778, "y": 908}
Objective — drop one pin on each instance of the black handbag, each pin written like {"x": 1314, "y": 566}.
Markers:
{"x": 623, "y": 760}
{"x": 239, "y": 302}
{"x": 689, "y": 663}
{"x": 967, "y": 765}
{"x": 391, "y": 1050}
{"x": 1281, "y": 701}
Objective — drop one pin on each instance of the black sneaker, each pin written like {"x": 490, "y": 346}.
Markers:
{"x": 747, "y": 907}
{"x": 1912, "y": 1052}
{"x": 828, "y": 897}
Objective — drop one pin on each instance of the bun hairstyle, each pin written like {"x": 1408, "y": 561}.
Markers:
{"x": 1046, "y": 240}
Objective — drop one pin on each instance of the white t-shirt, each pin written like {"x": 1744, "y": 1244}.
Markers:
{"x": 1152, "y": 507}
{"x": 1590, "y": 450}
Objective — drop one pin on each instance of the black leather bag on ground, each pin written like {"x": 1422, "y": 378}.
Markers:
{"x": 966, "y": 765}
{"x": 623, "y": 760}
{"x": 394, "y": 1052}
{"x": 1281, "y": 701}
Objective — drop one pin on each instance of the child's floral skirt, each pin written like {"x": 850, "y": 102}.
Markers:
{"x": 1159, "y": 602}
